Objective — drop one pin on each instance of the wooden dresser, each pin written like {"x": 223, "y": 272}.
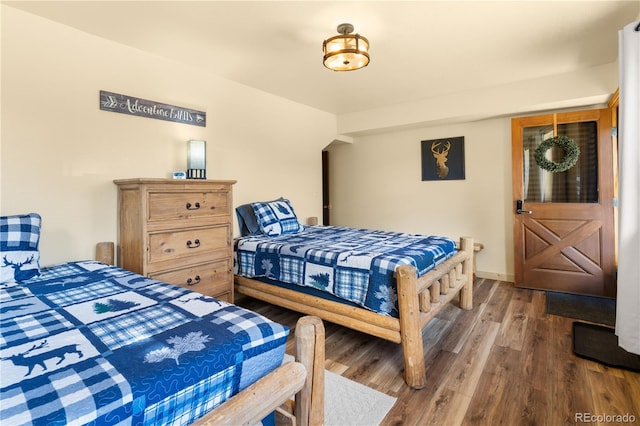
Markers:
{"x": 178, "y": 231}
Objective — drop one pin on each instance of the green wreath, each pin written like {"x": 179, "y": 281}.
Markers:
{"x": 571, "y": 154}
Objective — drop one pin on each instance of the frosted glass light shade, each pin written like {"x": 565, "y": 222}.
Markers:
{"x": 346, "y": 52}
{"x": 196, "y": 160}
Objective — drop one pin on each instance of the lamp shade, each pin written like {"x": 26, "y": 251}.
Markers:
{"x": 196, "y": 160}
{"x": 346, "y": 52}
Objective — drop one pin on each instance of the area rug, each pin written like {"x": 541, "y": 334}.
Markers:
{"x": 348, "y": 403}
{"x": 600, "y": 310}
{"x": 600, "y": 344}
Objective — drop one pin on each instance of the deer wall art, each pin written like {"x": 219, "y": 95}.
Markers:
{"x": 443, "y": 159}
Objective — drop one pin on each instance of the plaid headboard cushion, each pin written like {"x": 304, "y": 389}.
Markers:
{"x": 277, "y": 218}
{"x": 19, "y": 244}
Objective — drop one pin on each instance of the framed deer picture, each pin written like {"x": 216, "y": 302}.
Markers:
{"x": 443, "y": 159}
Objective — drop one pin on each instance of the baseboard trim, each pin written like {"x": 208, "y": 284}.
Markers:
{"x": 496, "y": 276}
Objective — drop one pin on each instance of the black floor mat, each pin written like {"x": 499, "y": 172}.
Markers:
{"x": 600, "y": 310}
{"x": 600, "y": 344}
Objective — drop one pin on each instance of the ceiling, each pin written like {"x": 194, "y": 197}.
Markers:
{"x": 419, "y": 49}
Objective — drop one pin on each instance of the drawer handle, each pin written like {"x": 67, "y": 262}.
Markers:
{"x": 194, "y": 244}
{"x": 195, "y": 206}
{"x": 194, "y": 281}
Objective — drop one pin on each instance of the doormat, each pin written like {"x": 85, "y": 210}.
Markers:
{"x": 600, "y": 310}
{"x": 600, "y": 344}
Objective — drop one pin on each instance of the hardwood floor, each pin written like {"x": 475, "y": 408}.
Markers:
{"x": 505, "y": 362}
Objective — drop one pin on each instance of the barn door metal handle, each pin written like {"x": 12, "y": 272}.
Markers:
{"x": 519, "y": 209}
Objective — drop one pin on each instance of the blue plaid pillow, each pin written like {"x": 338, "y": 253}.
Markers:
{"x": 247, "y": 221}
{"x": 19, "y": 240}
{"x": 277, "y": 218}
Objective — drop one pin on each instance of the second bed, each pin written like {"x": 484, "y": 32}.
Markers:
{"x": 387, "y": 284}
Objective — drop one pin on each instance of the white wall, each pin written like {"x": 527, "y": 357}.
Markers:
{"x": 376, "y": 183}
{"x": 60, "y": 152}
{"x": 579, "y": 88}
{"x": 376, "y": 180}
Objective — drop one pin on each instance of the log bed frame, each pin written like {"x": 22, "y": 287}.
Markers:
{"x": 302, "y": 379}
{"x": 419, "y": 300}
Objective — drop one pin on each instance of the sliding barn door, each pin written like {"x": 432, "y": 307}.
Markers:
{"x": 563, "y": 221}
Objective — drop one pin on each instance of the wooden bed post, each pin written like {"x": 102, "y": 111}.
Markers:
{"x": 310, "y": 352}
{"x": 105, "y": 252}
{"x": 466, "y": 294}
{"x": 410, "y": 328}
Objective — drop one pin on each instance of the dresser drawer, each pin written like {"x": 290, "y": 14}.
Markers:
{"x": 188, "y": 204}
{"x": 201, "y": 244}
{"x": 211, "y": 279}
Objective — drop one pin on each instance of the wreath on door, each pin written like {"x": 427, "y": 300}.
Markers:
{"x": 571, "y": 154}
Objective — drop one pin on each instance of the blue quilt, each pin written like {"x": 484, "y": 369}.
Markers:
{"x": 87, "y": 343}
{"x": 352, "y": 264}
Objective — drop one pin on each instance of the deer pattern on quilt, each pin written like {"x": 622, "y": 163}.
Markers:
{"x": 39, "y": 359}
{"x": 18, "y": 273}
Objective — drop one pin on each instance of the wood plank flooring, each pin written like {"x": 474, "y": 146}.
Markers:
{"x": 505, "y": 362}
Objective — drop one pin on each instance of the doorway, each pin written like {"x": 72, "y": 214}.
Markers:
{"x": 326, "y": 204}
{"x": 564, "y": 236}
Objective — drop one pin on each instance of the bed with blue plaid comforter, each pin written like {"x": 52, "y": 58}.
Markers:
{"x": 356, "y": 265}
{"x": 87, "y": 343}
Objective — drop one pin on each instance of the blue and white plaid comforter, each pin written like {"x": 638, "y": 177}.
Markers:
{"x": 357, "y": 265}
{"x": 87, "y": 343}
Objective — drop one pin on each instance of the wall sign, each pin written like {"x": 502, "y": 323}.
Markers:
{"x": 130, "y": 105}
{"x": 443, "y": 159}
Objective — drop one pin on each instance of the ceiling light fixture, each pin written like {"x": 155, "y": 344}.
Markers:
{"x": 346, "y": 52}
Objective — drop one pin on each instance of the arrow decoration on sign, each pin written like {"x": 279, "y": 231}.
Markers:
{"x": 130, "y": 105}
